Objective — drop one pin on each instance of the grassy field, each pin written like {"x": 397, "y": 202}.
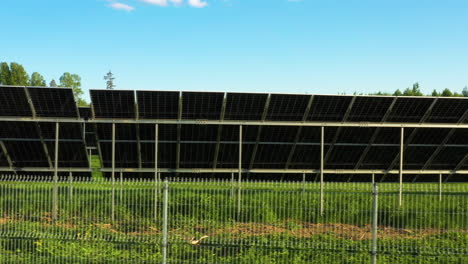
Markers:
{"x": 276, "y": 223}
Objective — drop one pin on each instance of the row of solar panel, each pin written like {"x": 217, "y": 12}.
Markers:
{"x": 270, "y": 156}
{"x": 31, "y": 144}
{"x": 59, "y": 102}
{"x": 276, "y": 107}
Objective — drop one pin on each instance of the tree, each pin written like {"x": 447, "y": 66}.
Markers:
{"x": 53, "y": 83}
{"x": 73, "y": 81}
{"x": 5, "y": 73}
{"x": 446, "y": 92}
{"x": 18, "y": 75}
{"x": 416, "y": 91}
{"x": 397, "y": 93}
{"x": 37, "y": 80}
{"x": 109, "y": 77}
{"x": 435, "y": 93}
{"x": 465, "y": 91}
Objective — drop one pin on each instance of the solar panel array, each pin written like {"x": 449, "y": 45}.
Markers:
{"x": 31, "y": 144}
{"x": 276, "y": 147}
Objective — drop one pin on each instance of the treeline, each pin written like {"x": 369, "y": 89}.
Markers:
{"x": 416, "y": 91}
{"x": 15, "y": 74}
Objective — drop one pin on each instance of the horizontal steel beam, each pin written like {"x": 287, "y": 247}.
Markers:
{"x": 44, "y": 169}
{"x": 235, "y": 122}
{"x": 218, "y": 170}
{"x": 289, "y": 171}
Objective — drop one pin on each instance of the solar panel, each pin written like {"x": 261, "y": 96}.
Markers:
{"x": 197, "y": 155}
{"x": 27, "y": 153}
{"x": 53, "y": 102}
{"x": 267, "y": 156}
{"x": 13, "y": 102}
{"x": 113, "y": 103}
{"x": 430, "y": 135}
{"x": 245, "y": 106}
{"x": 158, "y": 104}
{"x": 409, "y": 109}
{"x": 199, "y": 132}
{"x": 165, "y": 132}
{"x": 71, "y": 154}
{"x": 126, "y": 154}
{"x": 416, "y": 157}
{"x": 278, "y": 133}
{"x": 448, "y": 110}
{"x": 198, "y": 105}
{"x": 228, "y": 156}
{"x": 379, "y": 157}
{"x": 18, "y": 130}
{"x": 306, "y": 157}
{"x": 344, "y": 157}
{"x": 355, "y": 134}
{"x": 329, "y": 108}
{"x": 287, "y": 107}
{"x": 448, "y": 158}
{"x": 369, "y": 109}
{"x": 166, "y": 155}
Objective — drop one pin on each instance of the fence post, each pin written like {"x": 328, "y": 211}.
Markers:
{"x": 70, "y": 186}
{"x": 165, "y": 218}
{"x": 375, "y": 215}
{"x": 55, "y": 190}
{"x": 440, "y": 187}
{"x": 232, "y": 185}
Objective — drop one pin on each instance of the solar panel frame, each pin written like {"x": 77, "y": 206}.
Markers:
{"x": 13, "y": 102}
{"x": 53, "y": 102}
{"x": 113, "y": 103}
{"x": 202, "y": 105}
{"x": 369, "y": 109}
{"x": 245, "y": 106}
{"x": 287, "y": 107}
{"x": 329, "y": 108}
{"x": 158, "y": 104}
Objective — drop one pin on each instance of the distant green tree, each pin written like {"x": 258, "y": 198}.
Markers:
{"x": 73, "y": 81}
{"x": 37, "y": 79}
{"x": 5, "y": 73}
{"x": 446, "y": 92}
{"x": 18, "y": 75}
{"x": 435, "y": 93}
{"x": 398, "y": 93}
{"x": 465, "y": 91}
{"x": 53, "y": 83}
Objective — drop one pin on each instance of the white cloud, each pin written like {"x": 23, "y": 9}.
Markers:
{"x": 120, "y": 6}
{"x": 156, "y": 2}
{"x": 197, "y": 3}
{"x": 176, "y": 2}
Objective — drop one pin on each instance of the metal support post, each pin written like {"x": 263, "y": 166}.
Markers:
{"x": 232, "y": 185}
{"x": 322, "y": 137}
{"x": 303, "y": 183}
{"x": 165, "y": 219}
{"x": 156, "y": 173}
{"x": 239, "y": 191}
{"x": 373, "y": 178}
{"x": 440, "y": 187}
{"x": 70, "y": 186}
{"x": 55, "y": 192}
{"x": 375, "y": 216}
{"x": 113, "y": 174}
{"x": 402, "y": 136}
{"x": 121, "y": 186}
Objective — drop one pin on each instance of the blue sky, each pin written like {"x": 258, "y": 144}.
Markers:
{"x": 308, "y": 46}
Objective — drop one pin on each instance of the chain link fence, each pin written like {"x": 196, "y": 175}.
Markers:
{"x": 77, "y": 220}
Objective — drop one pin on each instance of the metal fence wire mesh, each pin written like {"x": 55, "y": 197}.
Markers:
{"x": 208, "y": 221}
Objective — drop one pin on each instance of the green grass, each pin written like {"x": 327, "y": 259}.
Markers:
{"x": 277, "y": 223}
